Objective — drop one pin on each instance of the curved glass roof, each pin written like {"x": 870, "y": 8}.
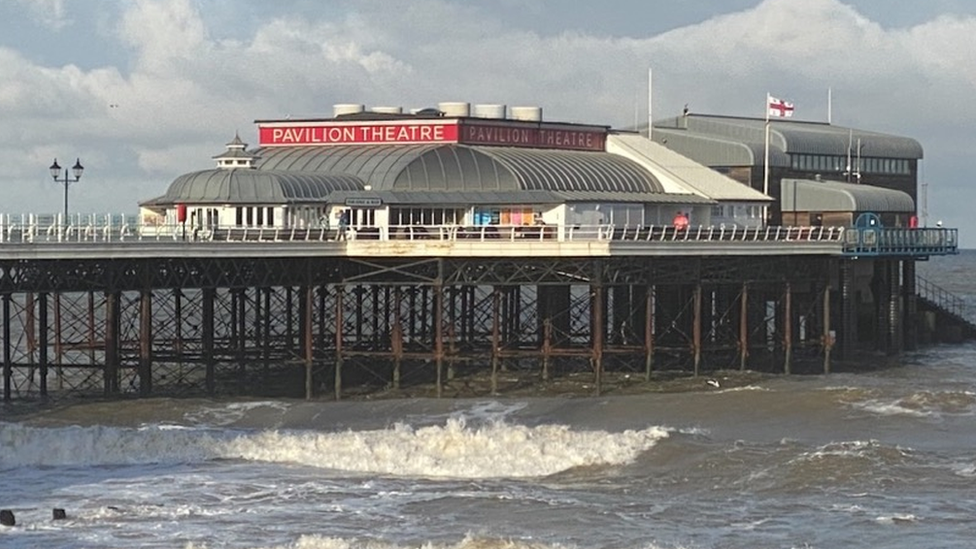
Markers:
{"x": 466, "y": 168}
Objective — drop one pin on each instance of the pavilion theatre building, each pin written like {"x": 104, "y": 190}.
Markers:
{"x": 380, "y": 169}
{"x": 734, "y": 289}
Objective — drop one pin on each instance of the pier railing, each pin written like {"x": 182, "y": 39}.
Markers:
{"x": 900, "y": 241}
{"x": 35, "y": 230}
{"x": 940, "y": 297}
{"x": 850, "y": 241}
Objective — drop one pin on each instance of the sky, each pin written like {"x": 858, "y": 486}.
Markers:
{"x": 145, "y": 90}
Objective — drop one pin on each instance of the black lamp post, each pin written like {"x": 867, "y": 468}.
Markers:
{"x": 77, "y": 170}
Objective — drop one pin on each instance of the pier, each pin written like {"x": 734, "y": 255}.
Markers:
{"x": 376, "y": 250}
{"x": 127, "y": 310}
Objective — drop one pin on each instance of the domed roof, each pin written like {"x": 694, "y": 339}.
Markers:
{"x": 247, "y": 186}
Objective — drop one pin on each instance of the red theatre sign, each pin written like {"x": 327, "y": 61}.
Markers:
{"x": 470, "y": 132}
{"x": 357, "y": 134}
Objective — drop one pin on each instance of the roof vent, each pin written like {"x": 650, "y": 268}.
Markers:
{"x": 429, "y": 111}
{"x": 489, "y": 111}
{"x": 531, "y": 114}
{"x": 387, "y": 110}
{"x": 347, "y": 108}
{"x": 455, "y": 108}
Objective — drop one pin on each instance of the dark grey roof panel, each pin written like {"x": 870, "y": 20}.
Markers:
{"x": 377, "y": 164}
{"x": 451, "y": 198}
{"x": 473, "y": 198}
{"x": 456, "y": 168}
{"x": 837, "y": 196}
{"x": 551, "y": 170}
{"x": 650, "y": 198}
{"x": 246, "y": 186}
{"x": 795, "y": 136}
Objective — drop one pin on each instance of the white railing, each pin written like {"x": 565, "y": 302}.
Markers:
{"x": 32, "y": 229}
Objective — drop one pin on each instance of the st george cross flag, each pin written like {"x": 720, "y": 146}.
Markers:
{"x": 779, "y": 108}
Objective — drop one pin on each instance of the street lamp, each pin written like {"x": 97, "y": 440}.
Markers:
{"x": 77, "y": 170}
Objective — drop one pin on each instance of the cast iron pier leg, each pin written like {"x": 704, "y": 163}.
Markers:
{"x": 208, "y": 340}
{"x": 43, "y": 336}
{"x": 649, "y": 333}
{"x": 788, "y": 329}
{"x": 339, "y": 291}
{"x": 8, "y": 371}
{"x": 828, "y": 341}
{"x": 744, "y": 327}
{"x": 145, "y": 343}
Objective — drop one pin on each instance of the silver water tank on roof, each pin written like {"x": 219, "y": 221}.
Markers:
{"x": 489, "y": 111}
{"x": 532, "y": 114}
{"x": 454, "y": 108}
{"x": 347, "y": 108}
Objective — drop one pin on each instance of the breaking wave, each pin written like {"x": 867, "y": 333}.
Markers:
{"x": 451, "y": 450}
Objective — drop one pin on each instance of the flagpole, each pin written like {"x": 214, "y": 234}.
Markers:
{"x": 650, "y": 119}
{"x": 766, "y": 162}
{"x": 830, "y": 104}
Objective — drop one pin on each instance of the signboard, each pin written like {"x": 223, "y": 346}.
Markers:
{"x": 468, "y": 131}
{"x": 363, "y": 202}
{"x": 358, "y": 134}
{"x": 538, "y": 136}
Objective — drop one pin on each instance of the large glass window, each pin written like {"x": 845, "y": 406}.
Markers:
{"x": 426, "y": 216}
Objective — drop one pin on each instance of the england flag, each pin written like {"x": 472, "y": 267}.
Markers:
{"x": 779, "y": 109}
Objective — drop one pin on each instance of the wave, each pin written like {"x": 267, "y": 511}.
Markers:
{"x": 451, "y": 450}
{"x": 469, "y": 542}
{"x": 923, "y": 404}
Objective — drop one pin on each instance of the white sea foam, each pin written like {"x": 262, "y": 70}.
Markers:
{"x": 744, "y": 388}
{"x": 230, "y": 413}
{"x": 896, "y": 519}
{"x": 965, "y": 470}
{"x": 469, "y": 542}
{"x": 894, "y": 408}
{"x": 450, "y": 450}
{"x": 922, "y": 404}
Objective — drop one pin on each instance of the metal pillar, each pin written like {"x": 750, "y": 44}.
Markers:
{"x": 649, "y": 333}
{"x": 309, "y": 342}
{"x": 910, "y": 298}
{"x": 598, "y": 329}
{"x": 43, "y": 340}
{"x": 828, "y": 340}
{"x": 788, "y": 329}
{"x": 337, "y": 385}
{"x": 894, "y": 306}
{"x": 744, "y": 327}
{"x": 8, "y": 371}
{"x": 112, "y": 343}
{"x": 266, "y": 339}
{"x": 178, "y": 312}
{"x": 241, "y": 327}
{"x": 696, "y": 330}
{"x": 396, "y": 337}
{"x": 208, "y": 340}
{"x": 58, "y": 341}
{"x": 848, "y": 310}
{"x": 495, "y": 337}
{"x": 546, "y": 347}
{"x": 439, "y": 331}
{"x": 145, "y": 342}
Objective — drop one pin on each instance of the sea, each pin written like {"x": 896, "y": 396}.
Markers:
{"x": 873, "y": 457}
